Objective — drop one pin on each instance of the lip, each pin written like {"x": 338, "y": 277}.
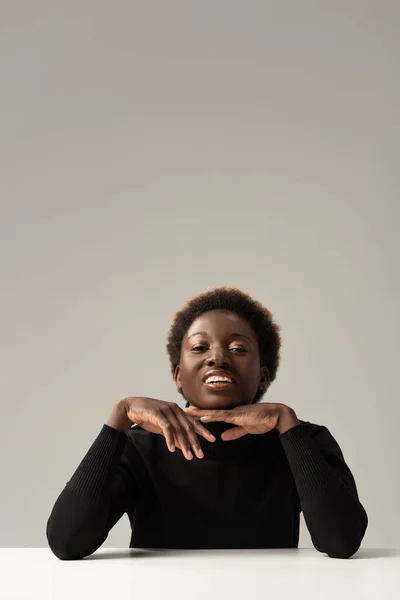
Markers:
{"x": 219, "y": 387}
{"x": 220, "y": 372}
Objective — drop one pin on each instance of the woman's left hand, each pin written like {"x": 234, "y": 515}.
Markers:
{"x": 250, "y": 418}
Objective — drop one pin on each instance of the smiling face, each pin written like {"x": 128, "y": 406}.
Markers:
{"x": 224, "y": 342}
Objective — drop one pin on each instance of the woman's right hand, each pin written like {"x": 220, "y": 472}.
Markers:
{"x": 165, "y": 418}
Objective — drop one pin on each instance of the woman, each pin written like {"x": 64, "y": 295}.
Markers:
{"x": 226, "y": 471}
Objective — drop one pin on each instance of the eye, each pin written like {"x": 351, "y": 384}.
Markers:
{"x": 241, "y": 350}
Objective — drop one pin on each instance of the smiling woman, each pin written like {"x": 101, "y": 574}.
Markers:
{"x": 228, "y": 471}
{"x": 226, "y": 326}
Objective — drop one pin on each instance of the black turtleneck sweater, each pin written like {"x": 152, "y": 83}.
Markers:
{"x": 246, "y": 493}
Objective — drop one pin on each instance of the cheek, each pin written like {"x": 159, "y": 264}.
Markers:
{"x": 188, "y": 371}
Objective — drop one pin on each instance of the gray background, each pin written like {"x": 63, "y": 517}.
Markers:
{"x": 152, "y": 150}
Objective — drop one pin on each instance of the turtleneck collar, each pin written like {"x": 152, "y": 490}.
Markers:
{"x": 240, "y": 449}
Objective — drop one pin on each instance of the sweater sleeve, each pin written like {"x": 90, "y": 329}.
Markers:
{"x": 328, "y": 495}
{"x": 94, "y": 499}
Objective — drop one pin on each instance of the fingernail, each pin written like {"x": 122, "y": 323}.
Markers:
{"x": 204, "y": 418}
{"x": 190, "y": 455}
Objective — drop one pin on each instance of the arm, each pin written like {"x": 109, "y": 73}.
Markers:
{"x": 334, "y": 516}
{"x": 97, "y": 495}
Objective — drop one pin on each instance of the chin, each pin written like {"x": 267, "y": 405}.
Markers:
{"x": 216, "y": 403}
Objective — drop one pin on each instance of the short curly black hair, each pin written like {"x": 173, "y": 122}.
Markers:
{"x": 240, "y": 303}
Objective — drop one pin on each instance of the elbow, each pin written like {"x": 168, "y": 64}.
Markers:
{"x": 63, "y": 553}
{"x": 61, "y": 547}
{"x": 343, "y": 551}
{"x": 66, "y": 551}
{"x": 347, "y": 545}
{"x": 338, "y": 548}
{"x": 62, "y": 550}
{"x": 74, "y": 531}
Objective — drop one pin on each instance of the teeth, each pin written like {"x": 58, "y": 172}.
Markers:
{"x": 216, "y": 379}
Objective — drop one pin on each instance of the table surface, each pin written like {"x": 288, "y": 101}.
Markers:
{"x": 35, "y": 573}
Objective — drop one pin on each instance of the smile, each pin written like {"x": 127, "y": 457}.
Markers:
{"x": 219, "y": 385}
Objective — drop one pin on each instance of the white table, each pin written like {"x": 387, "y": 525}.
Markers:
{"x": 35, "y": 573}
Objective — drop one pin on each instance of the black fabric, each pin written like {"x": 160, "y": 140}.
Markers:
{"x": 245, "y": 493}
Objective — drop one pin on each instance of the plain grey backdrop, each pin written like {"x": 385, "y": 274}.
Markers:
{"x": 152, "y": 150}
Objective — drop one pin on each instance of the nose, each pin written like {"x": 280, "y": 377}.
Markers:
{"x": 218, "y": 357}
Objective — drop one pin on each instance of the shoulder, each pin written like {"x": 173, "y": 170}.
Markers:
{"x": 321, "y": 435}
{"x": 313, "y": 428}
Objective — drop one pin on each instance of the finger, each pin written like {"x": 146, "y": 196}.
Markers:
{"x": 194, "y": 411}
{"x": 168, "y": 433}
{"x": 191, "y": 434}
{"x": 201, "y": 430}
{"x": 233, "y": 434}
{"x": 212, "y": 415}
{"x": 217, "y": 415}
{"x": 180, "y": 435}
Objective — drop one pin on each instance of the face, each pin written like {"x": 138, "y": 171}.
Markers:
{"x": 220, "y": 341}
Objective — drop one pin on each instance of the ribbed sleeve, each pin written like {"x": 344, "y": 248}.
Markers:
{"x": 311, "y": 471}
{"x": 99, "y": 464}
{"x": 97, "y": 495}
{"x": 334, "y": 516}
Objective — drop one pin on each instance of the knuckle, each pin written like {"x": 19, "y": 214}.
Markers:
{"x": 180, "y": 430}
{"x": 193, "y": 437}
{"x": 188, "y": 425}
{"x": 192, "y": 431}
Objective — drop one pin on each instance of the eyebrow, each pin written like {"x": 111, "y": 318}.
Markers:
{"x": 230, "y": 335}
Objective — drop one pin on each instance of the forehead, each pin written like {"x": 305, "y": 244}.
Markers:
{"x": 218, "y": 322}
